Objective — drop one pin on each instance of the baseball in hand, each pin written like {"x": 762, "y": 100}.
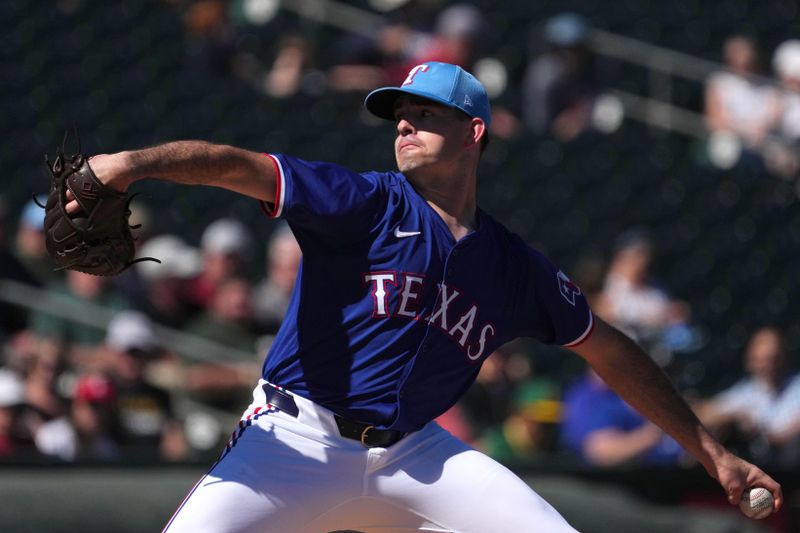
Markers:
{"x": 756, "y": 503}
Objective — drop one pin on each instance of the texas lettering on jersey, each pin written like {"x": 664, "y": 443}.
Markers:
{"x": 461, "y": 328}
{"x": 411, "y": 303}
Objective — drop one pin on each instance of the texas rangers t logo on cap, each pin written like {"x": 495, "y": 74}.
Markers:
{"x": 443, "y": 83}
{"x": 413, "y": 72}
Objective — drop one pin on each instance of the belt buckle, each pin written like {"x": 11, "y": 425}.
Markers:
{"x": 364, "y": 436}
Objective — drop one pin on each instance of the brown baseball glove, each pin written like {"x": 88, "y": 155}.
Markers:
{"x": 97, "y": 240}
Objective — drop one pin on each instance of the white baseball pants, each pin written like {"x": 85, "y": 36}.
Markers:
{"x": 285, "y": 474}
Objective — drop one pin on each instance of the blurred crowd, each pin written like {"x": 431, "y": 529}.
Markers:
{"x": 753, "y": 113}
{"x": 558, "y": 80}
{"x": 157, "y": 364}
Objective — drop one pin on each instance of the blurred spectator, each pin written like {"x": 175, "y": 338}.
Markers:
{"x": 515, "y": 410}
{"x": 366, "y": 64}
{"x": 400, "y": 45}
{"x": 781, "y": 151}
{"x": 12, "y": 318}
{"x": 227, "y": 382}
{"x": 589, "y": 274}
{"x": 786, "y": 62}
{"x": 12, "y": 400}
{"x": 531, "y": 428}
{"x": 210, "y": 40}
{"x": 129, "y": 282}
{"x": 147, "y": 424}
{"x": 488, "y": 400}
{"x": 42, "y": 384}
{"x": 80, "y": 291}
{"x": 293, "y": 62}
{"x": 228, "y": 318}
{"x": 271, "y": 296}
{"x": 91, "y": 431}
{"x": 737, "y": 101}
{"x": 225, "y": 246}
{"x": 459, "y": 37}
{"x": 632, "y": 301}
{"x": 560, "y": 85}
{"x": 30, "y": 249}
{"x": 762, "y": 411}
{"x": 605, "y": 431}
{"x": 40, "y": 368}
{"x": 163, "y": 298}
{"x": 116, "y": 413}
{"x": 458, "y": 32}
{"x": 8, "y": 399}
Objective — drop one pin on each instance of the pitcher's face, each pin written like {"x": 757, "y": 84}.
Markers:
{"x": 428, "y": 134}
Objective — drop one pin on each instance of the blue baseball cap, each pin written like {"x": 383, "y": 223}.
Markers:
{"x": 444, "y": 83}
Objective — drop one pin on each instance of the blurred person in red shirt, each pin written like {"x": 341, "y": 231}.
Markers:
{"x": 91, "y": 430}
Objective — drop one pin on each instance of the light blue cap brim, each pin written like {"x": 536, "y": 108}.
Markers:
{"x": 380, "y": 102}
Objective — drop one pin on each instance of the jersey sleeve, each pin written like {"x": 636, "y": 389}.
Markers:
{"x": 325, "y": 198}
{"x": 552, "y": 309}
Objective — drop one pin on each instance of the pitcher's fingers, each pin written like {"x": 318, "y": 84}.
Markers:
{"x": 758, "y": 478}
{"x": 777, "y": 494}
{"x": 735, "y": 493}
{"x": 71, "y": 206}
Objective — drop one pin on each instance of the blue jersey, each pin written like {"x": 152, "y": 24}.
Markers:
{"x": 390, "y": 317}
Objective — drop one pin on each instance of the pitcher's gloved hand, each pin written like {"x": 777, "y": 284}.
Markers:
{"x": 98, "y": 239}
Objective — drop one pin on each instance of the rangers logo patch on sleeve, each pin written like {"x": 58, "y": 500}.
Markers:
{"x": 567, "y": 289}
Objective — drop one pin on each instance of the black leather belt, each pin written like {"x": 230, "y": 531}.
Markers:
{"x": 366, "y": 434}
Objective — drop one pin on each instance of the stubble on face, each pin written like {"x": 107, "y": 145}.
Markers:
{"x": 407, "y": 162}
